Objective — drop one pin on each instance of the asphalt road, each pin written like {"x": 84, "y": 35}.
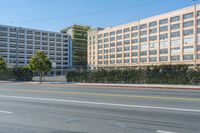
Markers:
{"x": 34, "y": 108}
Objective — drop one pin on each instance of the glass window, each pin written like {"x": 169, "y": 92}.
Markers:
{"x": 163, "y": 36}
{"x": 119, "y": 49}
{"x": 106, "y": 51}
{"x": 176, "y": 18}
{"x": 163, "y": 28}
{"x": 119, "y": 31}
{"x": 126, "y": 54}
{"x": 153, "y": 38}
{"x": 175, "y": 43}
{"x": 126, "y": 30}
{"x": 105, "y": 56}
{"x": 175, "y": 58}
{"x": 112, "y": 50}
{"x": 135, "y": 47}
{"x": 126, "y": 41}
{"x": 135, "y": 34}
{"x": 112, "y": 44}
{"x": 175, "y": 34}
{"x": 112, "y": 33}
{"x": 143, "y": 46}
{"x": 188, "y": 32}
{"x": 134, "y": 53}
{"x": 126, "y": 36}
{"x": 135, "y": 60}
{"x": 164, "y": 44}
{"x": 112, "y": 62}
{"x": 164, "y": 21}
{"x": 152, "y": 24}
{"x": 143, "y": 59}
{"x": 189, "y": 15}
{"x": 119, "y": 61}
{"x": 188, "y": 40}
{"x": 188, "y": 57}
{"x": 134, "y": 40}
{"x": 175, "y": 50}
{"x": 119, "y": 55}
{"x": 188, "y": 49}
{"x": 198, "y": 30}
{"x": 198, "y": 13}
{"x": 188, "y": 23}
{"x": 163, "y": 58}
{"x": 175, "y": 26}
{"x": 153, "y": 45}
{"x": 152, "y": 31}
{"x": 134, "y": 28}
{"x": 119, "y": 37}
{"x": 144, "y": 39}
{"x": 106, "y": 62}
{"x": 127, "y": 48}
{"x": 164, "y": 51}
{"x": 105, "y": 34}
{"x": 143, "y": 53}
{"x": 119, "y": 43}
{"x": 106, "y": 40}
{"x": 112, "y": 56}
{"x": 198, "y": 21}
{"x": 105, "y": 45}
{"x": 153, "y": 59}
{"x": 143, "y": 32}
{"x": 126, "y": 60}
{"x": 153, "y": 52}
{"x": 198, "y": 47}
{"x": 143, "y": 26}
{"x": 112, "y": 39}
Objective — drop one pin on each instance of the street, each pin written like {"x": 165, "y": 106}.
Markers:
{"x": 51, "y": 108}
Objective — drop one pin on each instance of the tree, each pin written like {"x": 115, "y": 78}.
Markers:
{"x": 40, "y": 63}
{"x": 2, "y": 64}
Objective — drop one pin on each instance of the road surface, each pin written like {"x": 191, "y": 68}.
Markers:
{"x": 35, "y": 108}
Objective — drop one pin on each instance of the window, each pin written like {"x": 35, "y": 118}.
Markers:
{"x": 134, "y": 40}
{"x": 143, "y": 59}
{"x": 112, "y": 39}
{"x": 106, "y": 51}
{"x": 198, "y": 13}
{"x": 153, "y": 45}
{"x": 163, "y": 28}
{"x": 164, "y": 51}
{"x": 119, "y": 37}
{"x": 126, "y": 54}
{"x": 119, "y": 49}
{"x": 175, "y": 50}
{"x": 152, "y": 24}
{"x": 143, "y": 32}
{"x": 112, "y": 33}
{"x": 134, "y": 53}
{"x": 126, "y": 41}
{"x": 105, "y": 45}
{"x": 134, "y": 60}
{"x": 135, "y": 34}
{"x": 144, "y": 39}
{"x": 119, "y": 43}
{"x": 119, "y": 55}
{"x": 153, "y": 38}
{"x": 175, "y": 43}
{"x": 105, "y": 56}
{"x": 119, "y": 31}
{"x": 153, "y": 59}
{"x": 143, "y": 53}
{"x": 106, "y": 40}
{"x": 198, "y": 21}
{"x": 175, "y": 26}
{"x": 188, "y": 32}
{"x": 152, "y": 31}
{"x": 112, "y": 44}
{"x": 188, "y": 57}
{"x": 126, "y": 36}
{"x": 188, "y": 23}
{"x": 153, "y": 52}
{"x": 188, "y": 49}
{"x": 134, "y": 28}
{"x": 164, "y": 44}
{"x": 143, "y": 26}
{"x": 105, "y": 34}
{"x": 127, "y": 48}
{"x": 188, "y": 40}
{"x": 112, "y": 50}
{"x": 175, "y": 58}
{"x": 175, "y": 34}
{"x": 143, "y": 46}
{"x": 163, "y": 36}
{"x": 112, "y": 62}
{"x": 135, "y": 47}
{"x": 127, "y": 61}
{"x": 163, "y": 58}
{"x": 198, "y": 47}
{"x": 176, "y": 18}
{"x": 189, "y": 15}
{"x": 126, "y": 30}
{"x": 119, "y": 61}
{"x": 112, "y": 56}
{"x": 164, "y": 21}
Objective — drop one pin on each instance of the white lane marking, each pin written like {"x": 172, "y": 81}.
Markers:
{"x": 101, "y": 103}
{"x": 6, "y": 112}
{"x": 160, "y": 131}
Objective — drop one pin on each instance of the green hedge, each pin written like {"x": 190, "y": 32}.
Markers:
{"x": 16, "y": 74}
{"x": 162, "y": 74}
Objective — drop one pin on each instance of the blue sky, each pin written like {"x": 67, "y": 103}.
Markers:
{"x": 54, "y": 15}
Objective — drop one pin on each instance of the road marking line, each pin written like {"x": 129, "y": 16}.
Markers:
{"x": 101, "y": 103}
{"x": 160, "y": 131}
{"x": 6, "y": 112}
{"x": 109, "y": 95}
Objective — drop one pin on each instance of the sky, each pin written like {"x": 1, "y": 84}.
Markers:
{"x": 54, "y": 15}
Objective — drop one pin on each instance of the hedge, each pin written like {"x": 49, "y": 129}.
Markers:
{"x": 162, "y": 74}
{"x": 16, "y": 74}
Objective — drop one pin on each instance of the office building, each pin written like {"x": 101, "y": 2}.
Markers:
{"x": 18, "y": 45}
{"x": 169, "y": 38}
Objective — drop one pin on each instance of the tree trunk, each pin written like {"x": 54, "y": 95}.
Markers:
{"x": 40, "y": 77}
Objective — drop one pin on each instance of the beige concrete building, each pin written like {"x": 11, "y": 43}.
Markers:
{"x": 170, "y": 38}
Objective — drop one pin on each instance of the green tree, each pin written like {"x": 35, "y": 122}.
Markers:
{"x": 40, "y": 63}
{"x": 2, "y": 64}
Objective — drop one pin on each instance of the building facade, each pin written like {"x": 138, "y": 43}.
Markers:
{"x": 18, "y": 45}
{"x": 78, "y": 46}
{"x": 170, "y": 38}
